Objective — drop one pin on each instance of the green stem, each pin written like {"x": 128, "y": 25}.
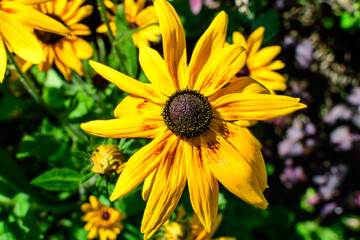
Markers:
{"x": 34, "y": 92}
{"x": 104, "y": 17}
{"x": 30, "y": 87}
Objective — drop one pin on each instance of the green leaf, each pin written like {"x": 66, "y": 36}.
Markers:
{"x": 310, "y": 230}
{"x": 12, "y": 178}
{"x": 310, "y": 192}
{"x": 58, "y": 179}
{"x": 22, "y": 205}
{"x": 39, "y": 145}
{"x": 85, "y": 104}
{"x": 125, "y": 43}
{"x": 269, "y": 20}
{"x": 347, "y": 21}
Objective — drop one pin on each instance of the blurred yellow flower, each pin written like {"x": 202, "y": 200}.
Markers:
{"x": 138, "y": 17}
{"x": 190, "y": 229}
{"x": 66, "y": 52}
{"x": 16, "y": 21}
{"x": 101, "y": 220}
{"x": 259, "y": 64}
{"x": 189, "y": 111}
{"x": 107, "y": 159}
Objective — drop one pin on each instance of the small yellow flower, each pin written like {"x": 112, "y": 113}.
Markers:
{"x": 16, "y": 21}
{"x": 101, "y": 220}
{"x": 189, "y": 110}
{"x": 185, "y": 229}
{"x": 107, "y": 159}
{"x": 138, "y": 17}
{"x": 66, "y": 52}
{"x": 259, "y": 64}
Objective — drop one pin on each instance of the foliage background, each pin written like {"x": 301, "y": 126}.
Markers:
{"x": 312, "y": 156}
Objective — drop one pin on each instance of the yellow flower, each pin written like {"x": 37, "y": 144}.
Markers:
{"x": 138, "y": 17}
{"x": 185, "y": 229}
{"x": 16, "y": 20}
{"x": 189, "y": 111}
{"x": 101, "y": 220}
{"x": 107, "y": 159}
{"x": 259, "y": 64}
{"x": 66, "y": 52}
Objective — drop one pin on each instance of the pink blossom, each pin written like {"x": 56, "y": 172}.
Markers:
{"x": 195, "y": 6}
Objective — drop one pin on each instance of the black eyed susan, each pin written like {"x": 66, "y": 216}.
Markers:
{"x": 137, "y": 17}
{"x": 16, "y": 20}
{"x": 66, "y": 52}
{"x": 107, "y": 159}
{"x": 189, "y": 110}
{"x": 190, "y": 229}
{"x": 260, "y": 64}
{"x": 102, "y": 221}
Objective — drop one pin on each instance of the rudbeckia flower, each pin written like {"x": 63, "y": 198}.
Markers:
{"x": 138, "y": 17}
{"x": 107, "y": 159}
{"x": 189, "y": 229}
{"x": 102, "y": 221}
{"x": 260, "y": 64}
{"x": 66, "y": 52}
{"x": 189, "y": 110}
{"x": 16, "y": 20}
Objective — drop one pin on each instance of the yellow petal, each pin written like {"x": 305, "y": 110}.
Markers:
{"x": 32, "y": 18}
{"x": 276, "y": 65}
{"x": 138, "y": 107}
{"x": 128, "y": 84}
{"x": 202, "y": 184}
{"x": 130, "y": 10}
{"x": 79, "y": 15}
{"x": 269, "y": 79}
{"x": 211, "y": 41}
{"x": 3, "y": 60}
{"x": 63, "y": 68}
{"x": 148, "y": 184}
{"x": 240, "y": 85}
{"x": 263, "y": 57}
{"x": 255, "y": 40}
{"x": 60, "y": 7}
{"x": 31, "y": 2}
{"x": 73, "y": 9}
{"x": 155, "y": 69}
{"x": 129, "y": 127}
{"x": 22, "y": 42}
{"x": 80, "y": 29}
{"x": 66, "y": 53}
{"x": 236, "y": 161}
{"x": 238, "y": 106}
{"x": 220, "y": 68}
{"x": 166, "y": 192}
{"x": 144, "y": 162}
{"x": 83, "y": 49}
{"x": 239, "y": 39}
{"x": 174, "y": 45}
{"x": 147, "y": 16}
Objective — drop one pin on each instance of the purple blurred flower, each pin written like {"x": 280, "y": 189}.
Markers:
{"x": 195, "y": 6}
{"x": 327, "y": 209}
{"x": 303, "y": 53}
{"x": 292, "y": 175}
{"x": 340, "y": 111}
{"x": 354, "y": 97}
{"x": 343, "y": 138}
{"x": 330, "y": 181}
{"x": 290, "y": 148}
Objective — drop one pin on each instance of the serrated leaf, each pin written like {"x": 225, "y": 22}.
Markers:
{"x": 58, "y": 179}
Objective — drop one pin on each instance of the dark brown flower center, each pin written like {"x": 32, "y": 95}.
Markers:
{"x": 47, "y": 37}
{"x": 105, "y": 215}
{"x": 244, "y": 72}
{"x": 187, "y": 113}
{"x": 133, "y": 25}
